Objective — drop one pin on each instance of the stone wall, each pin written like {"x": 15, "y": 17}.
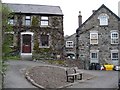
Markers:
{"x": 104, "y": 37}
{"x": 54, "y": 29}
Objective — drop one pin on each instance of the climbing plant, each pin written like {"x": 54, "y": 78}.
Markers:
{"x": 6, "y": 41}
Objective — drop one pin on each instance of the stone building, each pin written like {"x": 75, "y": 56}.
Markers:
{"x": 70, "y": 42}
{"x": 70, "y": 46}
{"x": 37, "y": 29}
{"x": 97, "y": 39}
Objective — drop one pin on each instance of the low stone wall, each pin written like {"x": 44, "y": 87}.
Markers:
{"x": 74, "y": 63}
{"x": 65, "y": 63}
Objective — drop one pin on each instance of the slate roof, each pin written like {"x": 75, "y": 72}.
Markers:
{"x": 34, "y": 9}
{"x": 102, "y": 6}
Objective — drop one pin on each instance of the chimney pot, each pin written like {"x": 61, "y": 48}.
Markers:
{"x": 79, "y": 19}
{"x": 93, "y": 11}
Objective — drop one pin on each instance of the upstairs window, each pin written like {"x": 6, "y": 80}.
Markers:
{"x": 93, "y": 37}
{"x": 103, "y": 18}
{"x": 11, "y": 21}
{"x": 27, "y": 20}
{"x": 69, "y": 44}
{"x": 114, "y": 37}
{"x": 44, "y": 21}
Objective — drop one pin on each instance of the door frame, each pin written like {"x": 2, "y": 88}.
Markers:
{"x": 21, "y": 42}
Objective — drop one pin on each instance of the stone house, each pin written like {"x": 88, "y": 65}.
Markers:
{"x": 37, "y": 29}
{"x": 97, "y": 39}
{"x": 70, "y": 46}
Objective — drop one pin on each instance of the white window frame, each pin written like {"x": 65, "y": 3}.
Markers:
{"x": 44, "y": 21}
{"x": 95, "y": 60}
{"x": 103, "y": 18}
{"x": 114, "y": 40}
{"x": 69, "y": 44}
{"x": 27, "y": 20}
{"x": 114, "y": 51}
{"x": 93, "y": 38}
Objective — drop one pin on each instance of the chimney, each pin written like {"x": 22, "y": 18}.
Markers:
{"x": 79, "y": 19}
{"x": 93, "y": 11}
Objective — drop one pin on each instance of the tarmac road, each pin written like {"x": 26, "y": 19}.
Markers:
{"x": 15, "y": 77}
{"x": 103, "y": 79}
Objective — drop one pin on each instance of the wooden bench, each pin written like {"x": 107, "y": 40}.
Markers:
{"x": 72, "y": 74}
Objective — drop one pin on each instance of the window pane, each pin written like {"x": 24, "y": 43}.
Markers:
{"x": 114, "y": 38}
{"x": 114, "y": 56}
{"x": 44, "y": 40}
{"x": 103, "y": 19}
{"x": 44, "y": 23}
{"x": 27, "y": 22}
{"x": 94, "y": 55}
{"x": 93, "y": 41}
{"x": 27, "y": 17}
{"x": 11, "y": 21}
{"x": 114, "y": 35}
{"x": 114, "y": 41}
{"x": 93, "y": 38}
{"x": 69, "y": 44}
{"x": 44, "y": 18}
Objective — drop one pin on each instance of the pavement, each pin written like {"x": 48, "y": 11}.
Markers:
{"x": 15, "y": 77}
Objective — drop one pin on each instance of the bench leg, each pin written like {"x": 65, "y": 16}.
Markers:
{"x": 70, "y": 77}
{"x": 80, "y": 77}
{"x": 75, "y": 77}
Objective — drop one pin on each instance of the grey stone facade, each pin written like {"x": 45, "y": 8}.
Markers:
{"x": 104, "y": 46}
{"x": 54, "y": 27}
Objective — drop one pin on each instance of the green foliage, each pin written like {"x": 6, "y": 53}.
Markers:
{"x": 13, "y": 57}
{"x": 35, "y": 24}
{"x": 55, "y": 22}
{"x": 36, "y": 46}
{"x": 6, "y": 38}
{"x": 6, "y": 13}
{"x": 35, "y": 21}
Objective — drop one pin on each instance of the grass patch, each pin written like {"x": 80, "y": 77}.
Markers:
{"x": 12, "y": 58}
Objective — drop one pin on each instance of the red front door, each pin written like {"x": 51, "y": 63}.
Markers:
{"x": 26, "y": 43}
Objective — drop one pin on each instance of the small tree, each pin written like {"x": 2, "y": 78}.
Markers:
{"x": 5, "y": 40}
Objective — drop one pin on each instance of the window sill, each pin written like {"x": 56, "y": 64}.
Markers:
{"x": 103, "y": 25}
{"x": 114, "y": 43}
{"x": 44, "y": 26}
{"x": 94, "y": 44}
{"x": 69, "y": 47}
{"x": 44, "y": 46}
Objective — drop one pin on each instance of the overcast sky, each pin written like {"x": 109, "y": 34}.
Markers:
{"x": 71, "y": 8}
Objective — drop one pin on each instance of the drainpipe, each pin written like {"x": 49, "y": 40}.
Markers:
{"x": 77, "y": 44}
{"x": 77, "y": 34}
